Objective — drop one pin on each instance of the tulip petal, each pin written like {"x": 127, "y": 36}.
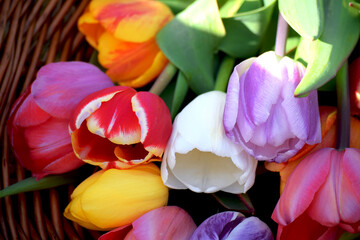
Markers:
{"x": 213, "y": 226}
{"x": 117, "y": 233}
{"x": 263, "y": 90}
{"x": 155, "y": 121}
{"x": 141, "y": 184}
{"x": 232, "y": 97}
{"x": 126, "y": 60}
{"x": 91, "y": 28}
{"x": 251, "y": 228}
{"x": 169, "y": 222}
{"x": 115, "y": 119}
{"x": 349, "y": 185}
{"x": 126, "y": 19}
{"x": 92, "y": 148}
{"x": 59, "y": 87}
{"x": 27, "y": 112}
{"x": 150, "y": 74}
{"x": 304, "y": 182}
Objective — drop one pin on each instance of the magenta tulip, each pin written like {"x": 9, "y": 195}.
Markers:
{"x": 321, "y": 198}
{"x": 261, "y": 112}
{"x": 38, "y": 123}
{"x": 163, "y": 223}
{"x": 232, "y": 225}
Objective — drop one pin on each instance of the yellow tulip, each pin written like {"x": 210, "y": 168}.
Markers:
{"x": 113, "y": 198}
{"x": 123, "y": 31}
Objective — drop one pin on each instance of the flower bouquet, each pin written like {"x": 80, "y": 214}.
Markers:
{"x": 180, "y": 119}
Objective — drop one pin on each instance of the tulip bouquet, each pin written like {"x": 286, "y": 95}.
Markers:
{"x": 202, "y": 119}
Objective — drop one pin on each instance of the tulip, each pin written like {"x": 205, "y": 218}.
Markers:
{"x": 261, "y": 112}
{"x": 124, "y": 32}
{"x": 354, "y": 78}
{"x": 38, "y": 123}
{"x": 232, "y": 225}
{"x": 163, "y": 223}
{"x": 123, "y": 128}
{"x": 113, "y": 198}
{"x": 200, "y": 157}
{"x": 321, "y": 198}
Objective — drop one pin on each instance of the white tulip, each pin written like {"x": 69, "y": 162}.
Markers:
{"x": 200, "y": 157}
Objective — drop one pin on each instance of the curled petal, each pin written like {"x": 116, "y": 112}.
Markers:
{"x": 155, "y": 121}
{"x": 126, "y": 19}
{"x": 91, "y": 28}
{"x": 59, "y": 87}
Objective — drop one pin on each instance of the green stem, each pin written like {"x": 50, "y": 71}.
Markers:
{"x": 281, "y": 35}
{"x": 164, "y": 79}
{"x": 225, "y": 70}
{"x": 343, "y": 105}
{"x": 355, "y": 5}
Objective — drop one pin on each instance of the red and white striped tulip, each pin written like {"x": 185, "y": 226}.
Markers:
{"x": 120, "y": 128}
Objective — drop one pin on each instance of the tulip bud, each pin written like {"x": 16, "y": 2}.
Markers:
{"x": 321, "y": 198}
{"x": 200, "y": 157}
{"x": 261, "y": 112}
{"x": 118, "y": 127}
{"x": 232, "y": 225}
{"x": 38, "y": 122}
{"x": 113, "y": 198}
{"x": 163, "y": 223}
{"x": 124, "y": 32}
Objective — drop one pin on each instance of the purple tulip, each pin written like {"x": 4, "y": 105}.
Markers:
{"x": 261, "y": 112}
{"x": 232, "y": 225}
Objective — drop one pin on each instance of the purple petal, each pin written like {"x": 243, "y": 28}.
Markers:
{"x": 262, "y": 87}
{"x": 251, "y": 228}
{"x": 59, "y": 87}
{"x": 213, "y": 226}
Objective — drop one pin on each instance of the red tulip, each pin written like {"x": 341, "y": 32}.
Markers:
{"x": 163, "y": 223}
{"x": 38, "y": 123}
{"x": 123, "y": 128}
{"x": 321, "y": 198}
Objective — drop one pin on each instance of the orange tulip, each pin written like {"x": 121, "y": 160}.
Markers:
{"x": 328, "y": 134}
{"x": 123, "y": 32}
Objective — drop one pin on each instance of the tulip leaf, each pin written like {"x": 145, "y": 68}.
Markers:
{"x": 31, "y": 184}
{"x": 306, "y": 17}
{"x": 230, "y": 7}
{"x": 245, "y": 30}
{"x": 236, "y": 202}
{"x": 190, "y": 40}
{"x": 327, "y": 54}
{"x": 181, "y": 89}
{"x": 177, "y": 5}
{"x": 349, "y": 236}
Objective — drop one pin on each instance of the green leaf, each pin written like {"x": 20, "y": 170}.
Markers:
{"x": 326, "y": 54}
{"x": 236, "y": 202}
{"x": 230, "y": 7}
{"x": 190, "y": 40}
{"x": 168, "y": 93}
{"x": 31, "y": 184}
{"x": 181, "y": 89}
{"x": 176, "y": 5}
{"x": 349, "y": 236}
{"x": 305, "y": 16}
{"x": 245, "y": 30}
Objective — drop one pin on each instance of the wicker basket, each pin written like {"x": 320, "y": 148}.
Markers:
{"x": 34, "y": 33}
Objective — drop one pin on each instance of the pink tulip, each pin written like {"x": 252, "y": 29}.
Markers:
{"x": 354, "y": 78}
{"x": 38, "y": 123}
{"x": 123, "y": 128}
{"x": 322, "y": 197}
{"x": 163, "y": 223}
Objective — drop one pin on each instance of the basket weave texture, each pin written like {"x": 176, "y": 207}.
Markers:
{"x": 34, "y": 33}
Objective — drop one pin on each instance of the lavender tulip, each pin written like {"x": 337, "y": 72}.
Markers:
{"x": 261, "y": 112}
{"x": 232, "y": 225}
